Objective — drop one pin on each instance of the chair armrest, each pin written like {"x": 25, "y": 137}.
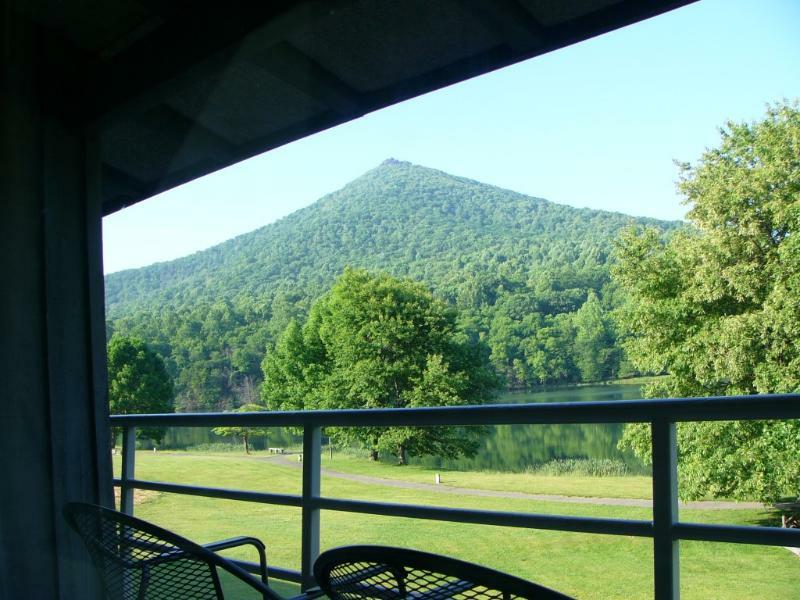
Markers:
{"x": 234, "y": 542}
{"x": 242, "y": 540}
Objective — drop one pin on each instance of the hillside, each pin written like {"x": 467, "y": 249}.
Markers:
{"x": 493, "y": 253}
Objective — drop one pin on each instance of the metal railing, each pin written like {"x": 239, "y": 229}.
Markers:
{"x": 665, "y": 528}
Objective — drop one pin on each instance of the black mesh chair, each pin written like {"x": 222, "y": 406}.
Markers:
{"x": 382, "y": 573}
{"x": 137, "y": 560}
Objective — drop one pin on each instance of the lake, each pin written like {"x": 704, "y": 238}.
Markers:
{"x": 513, "y": 448}
{"x": 516, "y": 448}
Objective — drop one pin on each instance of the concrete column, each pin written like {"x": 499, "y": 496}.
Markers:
{"x": 53, "y": 408}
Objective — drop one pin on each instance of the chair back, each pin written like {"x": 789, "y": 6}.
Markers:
{"x": 137, "y": 560}
{"x": 384, "y": 573}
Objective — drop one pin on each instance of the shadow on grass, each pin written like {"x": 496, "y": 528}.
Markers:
{"x": 769, "y": 517}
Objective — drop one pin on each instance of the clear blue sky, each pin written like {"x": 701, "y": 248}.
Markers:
{"x": 597, "y": 124}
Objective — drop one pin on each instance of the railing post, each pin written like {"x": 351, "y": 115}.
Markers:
{"x": 665, "y": 511}
{"x": 127, "y": 473}
{"x": 312, "y": 474}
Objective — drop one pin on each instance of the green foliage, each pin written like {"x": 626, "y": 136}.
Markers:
{"x": 517, "y": 269}
{"x": 594, "y": 345}
{"x": 212, "y": 448}
{"x": 137, "y": 382}
{"x": 375, "y": 341}
{"x": 244, "y": 432}
{"x": 718, "y": 307}
{"x": 588, "y": 467}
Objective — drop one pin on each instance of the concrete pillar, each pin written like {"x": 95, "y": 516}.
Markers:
{"x": 53, "y": 408}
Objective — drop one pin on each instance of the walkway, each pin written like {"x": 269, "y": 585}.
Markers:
{"x": 446, "y": 489}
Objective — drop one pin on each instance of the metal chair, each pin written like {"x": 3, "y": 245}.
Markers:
{"x": 384, "y": 573}
{"x": 137, "y": 560}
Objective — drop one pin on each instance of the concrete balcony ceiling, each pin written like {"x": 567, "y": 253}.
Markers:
{"x": 174, "y": 90}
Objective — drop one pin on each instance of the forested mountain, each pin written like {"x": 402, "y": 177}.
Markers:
{"x": 529, "y": 277}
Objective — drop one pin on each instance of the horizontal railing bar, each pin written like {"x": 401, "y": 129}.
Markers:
{"x": 273, "y": 572}
{"x": 738, "y": 534}
{"x": 211, "y": 492}
{"x": 486, "y": 517}
{"x": 773, "y": 406}
{"x": 770, "y": 536}
{"x": 506, "y": 519}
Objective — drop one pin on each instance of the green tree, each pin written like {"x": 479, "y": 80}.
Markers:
{"x": 717, "y": 307}
{"x": 246, "y": 433}
{"x": 379, "y": 342}
{"x": 548, "y": 350}
{"x": 594, "y": 346}
{"x": 138, "y": 382}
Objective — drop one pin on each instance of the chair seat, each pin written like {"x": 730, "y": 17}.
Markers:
{"x": 386, "y": 573}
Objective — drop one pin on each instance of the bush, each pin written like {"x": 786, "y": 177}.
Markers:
{"x": 214, "y": 447}
{"x": 591, "y": 467}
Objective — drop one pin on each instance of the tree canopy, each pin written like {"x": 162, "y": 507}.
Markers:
{"x": 717, "y": 307}
{"x": 138, "y": 382}
{"x": 375, "y": 341}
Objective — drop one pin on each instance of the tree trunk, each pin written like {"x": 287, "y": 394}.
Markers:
{"x": 402, "y": 455}
{"x": 246, "y": 445}
{"x": 373, "y": 455}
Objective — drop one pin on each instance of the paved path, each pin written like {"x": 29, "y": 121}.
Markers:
{"x": 291, "y": 460}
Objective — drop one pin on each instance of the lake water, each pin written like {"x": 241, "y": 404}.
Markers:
{"x": 516, "y": 448}
{"x": 512, "y": 448}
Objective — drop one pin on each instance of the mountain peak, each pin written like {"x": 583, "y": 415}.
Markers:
{"x": 391, "y": 162}
{"x": 400, "y": 218}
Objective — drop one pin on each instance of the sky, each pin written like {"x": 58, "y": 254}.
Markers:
{"x": 598, "y": 124}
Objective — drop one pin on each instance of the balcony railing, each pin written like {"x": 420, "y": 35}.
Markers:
{"x": 665, "y": 528}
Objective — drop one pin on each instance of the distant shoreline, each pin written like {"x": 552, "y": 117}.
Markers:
{"x": 641, "y": 380}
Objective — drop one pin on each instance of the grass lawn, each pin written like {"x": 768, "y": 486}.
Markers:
{"x": 583, "y": 565}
